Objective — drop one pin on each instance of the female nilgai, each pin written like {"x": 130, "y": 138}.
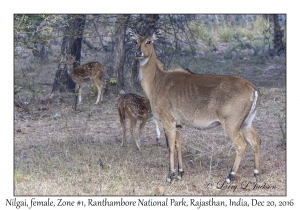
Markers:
{"x": 203, "y": 101}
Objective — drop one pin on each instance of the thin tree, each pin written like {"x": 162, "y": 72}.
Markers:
{"x": 119, "y": 50}
{"x": 71, "y": 45}
{"x": 279, "y": 46}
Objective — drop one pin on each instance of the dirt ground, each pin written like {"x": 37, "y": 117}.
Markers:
{"x": 59, "y": 151}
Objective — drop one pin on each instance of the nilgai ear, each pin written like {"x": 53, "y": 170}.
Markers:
{"x": 132, "y": 34}
{"x": 157, "y": 33}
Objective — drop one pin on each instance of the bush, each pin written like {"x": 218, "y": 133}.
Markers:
{"x": 226, "y": 33}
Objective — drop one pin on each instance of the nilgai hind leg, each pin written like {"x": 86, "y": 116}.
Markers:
{"x": 241, "y": 138}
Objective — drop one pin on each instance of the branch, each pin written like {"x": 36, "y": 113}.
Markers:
{"x": 96, "y": 29}
{"x": 89, "y": 44}
{"x": 22, "y": 18}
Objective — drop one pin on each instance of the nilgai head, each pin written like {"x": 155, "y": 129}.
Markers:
{"x": 144, "y": 44}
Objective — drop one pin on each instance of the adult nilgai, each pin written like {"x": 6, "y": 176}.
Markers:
{"x": 203, "y": 101}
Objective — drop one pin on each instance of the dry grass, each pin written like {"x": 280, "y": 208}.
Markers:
{"x": 79, "y": 153}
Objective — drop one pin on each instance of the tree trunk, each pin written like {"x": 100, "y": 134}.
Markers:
{"x": 135, "y": 74}
{"x": 119, "y": 50}
{"x": 150, "y": 24}
{"x": 71, "y": 45}
{"x": 279, "y": 47}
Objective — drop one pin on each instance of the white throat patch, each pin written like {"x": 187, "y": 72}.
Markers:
{"x": 143, "y": 61}
{"x": 140, "y": 74}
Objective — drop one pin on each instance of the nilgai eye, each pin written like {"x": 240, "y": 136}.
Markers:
{"x": 148, "y": 42}
{"x": 136, "y": 42}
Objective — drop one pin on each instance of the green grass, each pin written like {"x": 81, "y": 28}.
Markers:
{"x": 213, "y": 35}
{"x": 225, "y": 33}
{"x": 204, "y": 33}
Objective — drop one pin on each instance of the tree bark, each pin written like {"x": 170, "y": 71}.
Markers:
{"x": 119, "y": 50}
{"x": 279, "y": 47}
{"x": 135, "y": 74}
{"x": 150, "y": 23}
{"x": 71, "y": 45}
